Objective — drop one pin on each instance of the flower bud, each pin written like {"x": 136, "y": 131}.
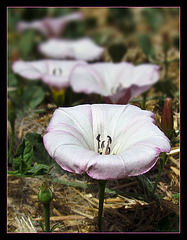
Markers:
{"x": 167, "y": 118}
{"x": 45, "y": 194}
{"x": 166, "y": 41}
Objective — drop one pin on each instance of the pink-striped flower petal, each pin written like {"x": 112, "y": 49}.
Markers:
{"x": 106, "y": 141}
{"x": 117, "y": 82}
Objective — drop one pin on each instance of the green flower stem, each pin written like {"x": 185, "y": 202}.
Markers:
{"x": 47, "y": 217}
{"x": 102, "y": 184}
{"x": 99, "y": 98}
{"x": 166, "y": 69}
{"x": 163, "y": 160}
{"x": 144, "y": 100}
{"x": 11, "y": 147}
{"x": 45, "y": 196}
{"x": 11, "y": 118}
{"x": 166, "y": 64}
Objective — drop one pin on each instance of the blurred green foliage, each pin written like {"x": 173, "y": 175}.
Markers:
{"x": 117, "y": 51}
{"x": 146, "y": 45}
{"x": 169, "y": 223}
{"x": 26, "y": 43}
{"x": 153, "y": 16}
{"x": 75, "y": 30}
{"x": 27, "y": 97}
{"x": 122, "y": 18}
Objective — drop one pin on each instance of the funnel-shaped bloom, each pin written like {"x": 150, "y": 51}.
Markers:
{"x": 49, "y": 27}
{"x": 106, "y": 141}
{"x": 53, "y": 72}
{"x": 117, "y": 82}
{"x": 82, "y": 49}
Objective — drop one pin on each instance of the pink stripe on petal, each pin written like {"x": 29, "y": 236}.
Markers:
{"x": 77, "y": 138}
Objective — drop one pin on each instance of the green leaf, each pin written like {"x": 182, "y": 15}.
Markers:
{"x": 154, "y": 17}
{"x": 31, "y": 151}
{"x": 145, "y": 183}
{"x": 121, "y": 18}
{"x": 15, "y": 173}
{"x": 11, "y": 114}
{"x": 34, "y": 138}
{"x": 117, "y": 51}
{"x": 175, "y": 196}
{"x": 28, "y": 153}
{"x": 42, "y": 226}
{"x": 146, "y": 45}
{"x": 24, "y": 157}
{"x": 148, "y": 187}
{"x": 33, "y": 96}
{"x": 19, "y": 156}
{"x": 12, "y": 80}
{"x": 28, "y": 97}
{"x": 39, "y": 169}
{"x": 40, "y": 153}
{"x": 74, "y": 29}
{"x": 26, "y": 43}
{"x": 54, "y": 227}
{"x": 94, "y": 187}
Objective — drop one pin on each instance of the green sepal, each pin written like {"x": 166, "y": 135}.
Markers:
{"x": 58, "y": 96}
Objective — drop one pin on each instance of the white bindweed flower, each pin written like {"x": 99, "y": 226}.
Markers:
{"x": 81, "y": 49}
{"x": 106, "y": 141}
{"x": 49, "y": 27}
{"x": 53, "y": 72}
{"x": 117, "y": 82}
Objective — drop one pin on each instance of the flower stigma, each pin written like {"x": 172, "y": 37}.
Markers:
{"x": 103, "y": 149}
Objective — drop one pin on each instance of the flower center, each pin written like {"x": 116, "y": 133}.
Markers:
{"x": 57, "y": 71}
{"x": 102, "y": 147}
{"x": 116, "y": 89}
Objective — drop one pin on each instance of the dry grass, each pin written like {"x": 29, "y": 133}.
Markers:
{"x": 75, "y": 209}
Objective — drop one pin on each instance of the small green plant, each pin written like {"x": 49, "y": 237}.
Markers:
{"x": 45, "y": 196}
{"x": 31, "y": 158}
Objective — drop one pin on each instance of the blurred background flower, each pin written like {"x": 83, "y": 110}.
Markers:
{"x": 49, "y": 27}
{"x": 117, "y": 82}
{"x": 80, "y": 49}
{"x": 54, "y": 73}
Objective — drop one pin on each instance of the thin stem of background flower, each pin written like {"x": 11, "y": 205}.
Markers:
{"x": 144, "y": 100}
{"x": 163, "y": 160}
